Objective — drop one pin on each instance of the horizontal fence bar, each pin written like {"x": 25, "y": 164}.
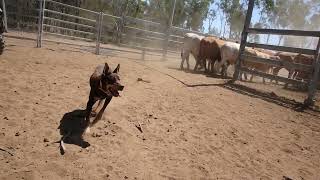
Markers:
{"x": 276, "y": 63}
{"x": 69, "y": 22}
{"x": 67, "y": 36}
{"x": 67, "y": 29}
{"x": 148, "y": 38}
{"x": 142, "y": 48}
{"x": 141, "y": 20}
{"x": 284, "y": 32}
{"x": 272, "y": 77}
{"x": 70, "y": 6}
{"x": 69, "y": 15}
{"x": 282, "y": 48}
{"x": 109, "y": 15}
{"x": 143, "y": 30}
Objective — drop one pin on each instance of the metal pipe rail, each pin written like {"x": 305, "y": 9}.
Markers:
{"x": 70, "y": 6}
{"x": 282, "y": 48}
{"x": 276, "y": 63}
{"x": 69, "y": 15}
{"x": 284, "y": 32}
{"x": 67, "y": 29}
{"x": 69, "y": 22}
{"x": 270, "y": 76}
{"x": 71, "y": 37}
{"x": 129, "y": 27}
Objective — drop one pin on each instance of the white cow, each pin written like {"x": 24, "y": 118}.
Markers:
{"x": 229, "y": 55}
{"x": 191, "y": 45}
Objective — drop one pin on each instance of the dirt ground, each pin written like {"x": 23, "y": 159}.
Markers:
{"x": 194, "y": 127}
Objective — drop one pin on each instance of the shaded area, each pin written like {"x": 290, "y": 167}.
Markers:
{"x": 266, "y": 96}
{"x": 71, "y": 126}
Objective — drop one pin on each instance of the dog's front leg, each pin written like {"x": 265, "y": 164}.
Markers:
{"x": 90, "y": 104}
{"x": 99, "y": 115}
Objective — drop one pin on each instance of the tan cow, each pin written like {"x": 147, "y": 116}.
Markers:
{"x": 209, "y": 50}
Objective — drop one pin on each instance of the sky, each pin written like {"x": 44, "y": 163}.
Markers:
{"x": 254, "y": 19}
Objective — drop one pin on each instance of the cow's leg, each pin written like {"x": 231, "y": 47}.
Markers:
{"x": 187, "y": 59}
{"x": 99, "y": 115}
{"x": 183, "y": 58}
{"x": 196, "y": 66}
{"x": 290, "y": 75}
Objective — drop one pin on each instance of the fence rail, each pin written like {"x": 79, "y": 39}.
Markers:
{"x": 282, "y": 48}
{"x": 69, "y": 15}
{"x": 284, "y": 32}
{"x": 67, "y": 29}
{"x": 276, "y": 63}
{"x": 272, "y": 77}
{"x": 69, "y": 22}
{"x": 73, "y": 7}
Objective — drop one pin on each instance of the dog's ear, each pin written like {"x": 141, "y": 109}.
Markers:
{"x": 106, "y": 68}
{"x": 116, "y": 70}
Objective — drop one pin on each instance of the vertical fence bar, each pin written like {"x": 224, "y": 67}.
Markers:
{"x": 315, "y": 78}
{"x": 168, "y": 32}
{"x": 99, "y": 31}
{"x": 5, "y": 15}
{"x": 40, "y": 23}
{"x": 244, "y": 36}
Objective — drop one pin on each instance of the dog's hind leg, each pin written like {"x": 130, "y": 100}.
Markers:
{"x": 94, "y": 111}
{"x": 99, "y": 115}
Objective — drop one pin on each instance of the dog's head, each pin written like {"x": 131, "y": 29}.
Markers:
{"x": 112, "y": 80}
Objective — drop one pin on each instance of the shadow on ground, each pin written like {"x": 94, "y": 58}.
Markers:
{"x": 71, "y": 127}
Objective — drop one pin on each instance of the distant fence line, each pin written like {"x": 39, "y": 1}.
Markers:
{"x": 79, "y": 23}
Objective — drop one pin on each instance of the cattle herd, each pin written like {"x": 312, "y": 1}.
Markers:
{"x": 219, "y": 54}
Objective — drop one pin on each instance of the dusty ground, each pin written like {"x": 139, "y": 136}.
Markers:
{"x": 202, "y": 131}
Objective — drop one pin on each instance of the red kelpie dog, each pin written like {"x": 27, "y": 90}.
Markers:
{"x": 104, "y": 85}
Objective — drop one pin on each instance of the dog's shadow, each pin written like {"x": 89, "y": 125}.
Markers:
{"x": 71, "y": 127}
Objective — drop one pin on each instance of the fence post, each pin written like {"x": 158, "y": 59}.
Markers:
{"x": 5, "y": 16}
{"x": 244, "y": 36}
{"x": 40, "y": 24}
{"x": 121, "y": 24}
{"x": 168, "y": 32}
{"x": 99, "y": 31}
{"x": 315, "y": 78}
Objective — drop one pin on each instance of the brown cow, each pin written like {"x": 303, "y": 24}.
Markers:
{"x": 209, "y": 49}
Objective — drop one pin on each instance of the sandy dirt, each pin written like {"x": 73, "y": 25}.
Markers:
{"x": 194, "y": 126}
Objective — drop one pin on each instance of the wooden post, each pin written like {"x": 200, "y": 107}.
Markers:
{"x": 99, "y": 32}
{"x": 244, "y": 36}
{"x": 315, "y": 78}
{"x": 40, "y": 24}
{"x": 5, "y": 16}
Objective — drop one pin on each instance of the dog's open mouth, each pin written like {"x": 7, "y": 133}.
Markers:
{"x": 114, "y": 92}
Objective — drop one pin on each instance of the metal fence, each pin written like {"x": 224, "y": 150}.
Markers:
{"x": 311, "y": 83}
{"x": 88, "y": 25}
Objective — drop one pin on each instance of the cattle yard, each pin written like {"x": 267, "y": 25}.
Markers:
{"x": 192, "y": 125}
{"x": 169, "y": 123}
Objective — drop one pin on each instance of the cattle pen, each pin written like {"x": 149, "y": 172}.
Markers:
{"x": 315, "y": 68}
{"x": 168, "y": 124}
